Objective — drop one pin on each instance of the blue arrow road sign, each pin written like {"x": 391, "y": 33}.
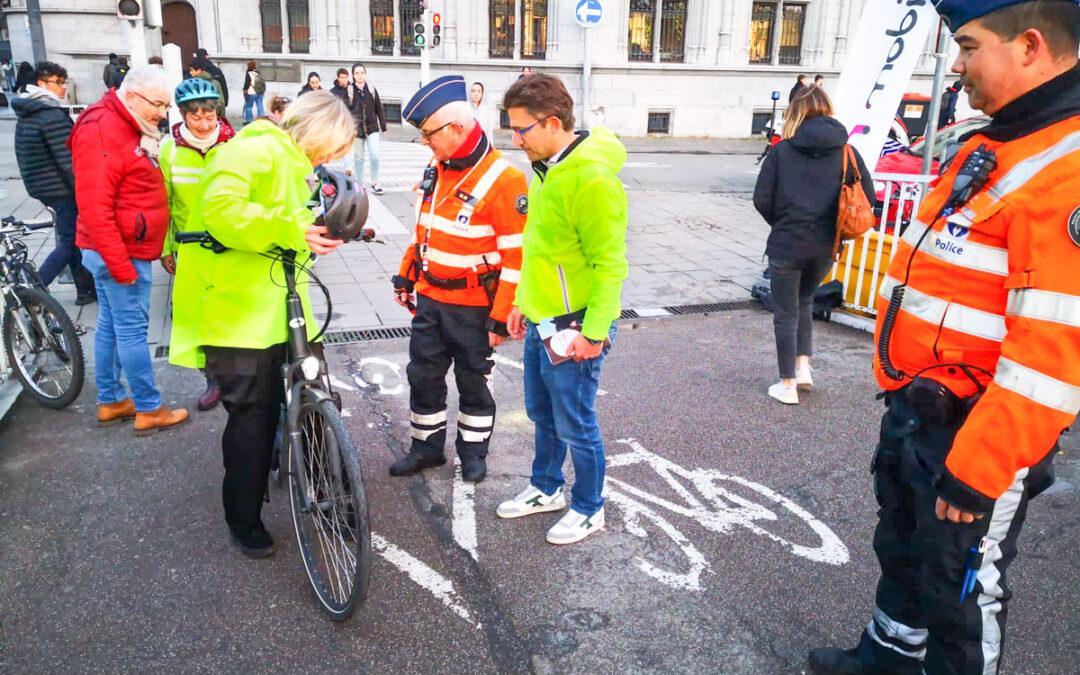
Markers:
{"x": 588, "y": 13}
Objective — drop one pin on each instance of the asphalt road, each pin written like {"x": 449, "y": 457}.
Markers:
{"x": 738, "y": 532}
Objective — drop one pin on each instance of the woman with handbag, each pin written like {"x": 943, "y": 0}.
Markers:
{"x": 798, "y": 193}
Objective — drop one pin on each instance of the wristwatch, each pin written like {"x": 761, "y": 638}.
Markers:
{"x": 594, "y": 342}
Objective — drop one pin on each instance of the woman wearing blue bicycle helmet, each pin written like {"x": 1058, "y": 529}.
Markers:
{"x": 189, "y": 147}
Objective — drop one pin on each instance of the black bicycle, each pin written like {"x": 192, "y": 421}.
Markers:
{"x": 40, "y": 340}
{"x": 326, "y": 483}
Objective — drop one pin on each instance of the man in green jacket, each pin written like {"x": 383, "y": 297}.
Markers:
{"x": 574, "y": 264}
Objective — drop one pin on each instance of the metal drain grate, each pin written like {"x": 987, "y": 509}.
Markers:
{"x": 713, "y": 307}
{"x": 629, "y": 314}
{"x": 162, "y": 352}
{"x": 348, "y": 336}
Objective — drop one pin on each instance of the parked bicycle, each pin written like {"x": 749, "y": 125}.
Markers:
{"x": 40, "y": 340}
{"x": 325, "y": 481}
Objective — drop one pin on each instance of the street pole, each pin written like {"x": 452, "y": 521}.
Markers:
{"x": 586, "y": 79}
{"x": 425, "y": 49}
{"x": 37, "y": 35}
{"x": 941, "y": 54}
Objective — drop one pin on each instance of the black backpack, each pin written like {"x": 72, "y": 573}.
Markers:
{"x": 827, "y": 297}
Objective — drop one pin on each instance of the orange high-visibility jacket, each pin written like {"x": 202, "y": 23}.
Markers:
{"x": 470, "y": 225}
{"x": 997, "y": 285}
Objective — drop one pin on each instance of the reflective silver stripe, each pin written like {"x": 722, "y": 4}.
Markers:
{"x": 433, "y": 418}
{"x": 1038, "y": 387}
{"x": 463, "y": 261}
{"x": 989, "y": 576}
{"x": 509, "y": 241}
{"x": 185, "y": 180}
{"x": 487, "y": 181}
{"x": 510, "y": 276}
{"x": 914, "y": 637}
{"x": 458, "y": 229}
{"x": 478, "y": 421}
{"x": 473, "y": 436}
{"x": 1024, "y": 171}
{"x": 958, "y": 250}
{"x": 424, "y": 434}
{"x": 196, "y": 170}
{"x": 1032, "y": 303}
{"x": 948, "y": 314}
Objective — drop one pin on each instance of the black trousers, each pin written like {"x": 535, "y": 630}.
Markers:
{"x": 793, "y": 283}
{"x": 920, "y": 623}
{"x": 252, "y": 392}
{"x": 66, "y": 253}
{"x": 443, "y": 334}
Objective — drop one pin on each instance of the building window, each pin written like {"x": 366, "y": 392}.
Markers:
{"x": 534, "y": 29}
{"x": 760, "y": 122}
{"x": 659, "y": 123}
{"x": 393, "y": 111}
{"x": 280, "y": 71}
{"x": 501, "y": 29}
{"x": 299, "y": 26}
{"x": 763, "y": 25}
{"x": 382, "y": 27}
{"x": 270, "y": 11}
{"x": 411, "y": 14}
{"x": 640, "y": 37}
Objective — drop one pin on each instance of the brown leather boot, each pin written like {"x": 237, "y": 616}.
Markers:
{"x": 151, "y": 422}
{"x": 109, "y": 414}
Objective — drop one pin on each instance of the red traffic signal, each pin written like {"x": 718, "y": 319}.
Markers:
{"x": 436, "y": 19}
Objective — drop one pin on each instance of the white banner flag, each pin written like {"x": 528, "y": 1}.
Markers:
{"x": 879, "y": 65}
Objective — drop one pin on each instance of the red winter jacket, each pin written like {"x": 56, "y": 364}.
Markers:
{"x": 123, "y": 207}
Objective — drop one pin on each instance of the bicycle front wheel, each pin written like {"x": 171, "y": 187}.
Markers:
{"x": 44, "y": 349}
{"x": 329, "y": 508}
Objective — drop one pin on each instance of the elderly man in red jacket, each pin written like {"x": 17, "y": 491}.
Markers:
{"x": 123, "y": 218}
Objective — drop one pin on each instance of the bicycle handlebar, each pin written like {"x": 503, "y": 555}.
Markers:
{"x": 9, "y": 222}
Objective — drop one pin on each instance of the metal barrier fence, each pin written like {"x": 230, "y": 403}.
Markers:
{"x": 865, "y": 260}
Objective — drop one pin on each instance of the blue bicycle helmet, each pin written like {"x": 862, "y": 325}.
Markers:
{"x": 195, "y": 89}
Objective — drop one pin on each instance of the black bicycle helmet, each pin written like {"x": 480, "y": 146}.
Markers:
{"x": 344, "y": 202}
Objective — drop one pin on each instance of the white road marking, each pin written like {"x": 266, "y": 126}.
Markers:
{"x": 338, "y": 384}
{"x": 464, "y": 524}
{"x": 421, "y": 573}
{"x": 373, "y": 372}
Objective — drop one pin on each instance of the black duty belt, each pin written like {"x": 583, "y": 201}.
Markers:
{"x": 935, "y": 403}
{"x": 470, "y": 280}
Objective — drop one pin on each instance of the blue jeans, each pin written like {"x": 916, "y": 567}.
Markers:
{"x": 66, "y": 254}
{"x": 561, "y": 402}
{"x": 252, "y": 101}
{"x": 120, "y": 340}
{"x": 372, "y": 144}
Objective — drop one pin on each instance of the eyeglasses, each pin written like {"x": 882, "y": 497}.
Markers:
{"x": 164, "y": 107}
{"x": 520, "y": 133}
{"x": 57, "y": 81}
{"x": 428, "y": 135}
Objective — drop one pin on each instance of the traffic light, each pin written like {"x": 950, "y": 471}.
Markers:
{"x": 418, "y": 34}
{"x": 129, "y": 9}
{"x": 436, "y": 28}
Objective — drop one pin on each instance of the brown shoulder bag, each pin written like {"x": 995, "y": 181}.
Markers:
{"x": 855, "y": 216}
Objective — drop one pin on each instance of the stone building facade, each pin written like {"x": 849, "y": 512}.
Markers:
{"x": 680, "y": 67}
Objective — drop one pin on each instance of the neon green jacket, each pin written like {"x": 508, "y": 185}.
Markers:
{"x": 252, "y": 198}
{"x": 182, "y": 167}
{"x": 574, "y": 250}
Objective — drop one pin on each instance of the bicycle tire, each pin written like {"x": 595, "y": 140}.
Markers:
{"x": 70, "y": 350}
{"x": 338, "y": 591}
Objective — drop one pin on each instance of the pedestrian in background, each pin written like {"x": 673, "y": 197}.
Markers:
{"x": 123, "y": 219}
{"x": 215, "y": 72}
{"x": 200, "y": 68}
{"x": 314, "y": 83}
{"x": 41, "y": 137}
{"x": 277, "y": 108}
{"x": 111, "y": 74}
{"x": 370, "y": 117}
{"x": 573, "y": 268}
{"x": 184, "y": 154}
{"x": 949, "y": 99}
{"x": 254, "y": 89}
{"x": 484, "y": 112}
{"x": 797, "y": 193}
{"x": 25, "y": 78}
{"x": 800, "y": 86}
{"x": 819, "y": 80}
{"x": 7, "y": 75}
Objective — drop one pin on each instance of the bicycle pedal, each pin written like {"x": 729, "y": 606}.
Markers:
{"x": 80, "y": 329}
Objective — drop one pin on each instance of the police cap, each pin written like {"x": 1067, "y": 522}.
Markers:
{"x": 958, "y": 12}
{"x": 433, "y": 96}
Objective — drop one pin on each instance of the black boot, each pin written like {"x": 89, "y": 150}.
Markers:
{"x": 413, "y": 463}
{"x": 832, "y": 661}
{"x": 473, "y": 469}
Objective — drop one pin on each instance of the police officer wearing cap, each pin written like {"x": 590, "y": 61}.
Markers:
{"x": 978, "y": 349}
{"x": 463, "y": 266}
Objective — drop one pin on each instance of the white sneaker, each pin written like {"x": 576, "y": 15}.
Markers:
{"x": 803, "y": 377}
{"x": 788, "y": 395}
{"x": 531, "y": 501}
{"x": 574, "y": 526}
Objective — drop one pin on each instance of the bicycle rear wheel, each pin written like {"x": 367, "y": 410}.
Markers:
{"x": 44, "y": 349}
{"x": 331, "y": 516}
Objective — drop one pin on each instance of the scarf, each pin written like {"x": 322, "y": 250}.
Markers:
{"x": 42, "y": 94}
{"x": 200, "y": 144}
{"x": 151, "y": 134}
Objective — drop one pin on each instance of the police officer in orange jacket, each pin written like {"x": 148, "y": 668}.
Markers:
{"x": 978, "y": 340}
{"x": 464, "y": 265}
